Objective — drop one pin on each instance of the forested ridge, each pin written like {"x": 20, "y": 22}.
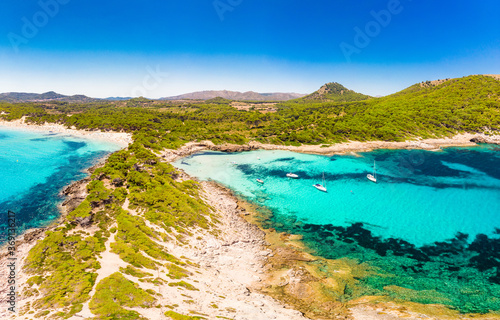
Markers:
{"x": 469, "y": 104}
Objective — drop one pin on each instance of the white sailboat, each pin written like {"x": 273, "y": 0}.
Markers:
{"x": 373, "y": 177}
{"x": 292, "y": 175}
{"x": 322, "y": 186}
{"x": 260, "y": 181}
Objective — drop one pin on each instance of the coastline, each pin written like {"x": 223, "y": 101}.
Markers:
{"x": 74, "y": 192}
{"x": 434, "y": 144}
{"x": 243, "y": 262}
{"x": 285, "y": 277}
{"x": 277, "y": 267}
{"x": 122, "y": 139}
{"x": 290, "y": 274}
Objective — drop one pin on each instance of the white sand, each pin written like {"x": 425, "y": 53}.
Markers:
{"x": 462, "y": 139}
{"x": 122, "y": 139}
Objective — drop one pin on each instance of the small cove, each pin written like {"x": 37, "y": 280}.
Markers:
{"x": 35, "y": 166}
{"x": 430, "y": 224}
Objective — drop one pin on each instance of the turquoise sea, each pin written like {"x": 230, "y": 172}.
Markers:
{"x": 34, "y": 167}
{"x": 431, "y": 223}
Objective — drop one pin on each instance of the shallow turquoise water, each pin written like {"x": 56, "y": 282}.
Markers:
{"x": 432, "y": 219}
{"x": 34, "y": 167}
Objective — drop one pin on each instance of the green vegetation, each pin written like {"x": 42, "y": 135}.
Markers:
{"x": 135, "y": 272}
{"x": 334, "y": 92}
{"x": 67, "y": 264}
{"x": 115, "y": 292}
{"x": 83, "y": 210}
{"x": 183, "y": 284}
{"x": 34, "y": 280}
{"x": 457, "y": 105}
{"x": 176, "y": 272}
{"x": 177, "y": 316}
{"x": 218, "y": 100}
{"x": 160, "y": 207}
{"x": 41, "y": 314}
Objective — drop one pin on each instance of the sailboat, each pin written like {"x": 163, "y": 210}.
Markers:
{"x": 260, "y": 181}
{"x": 373, "y": 177}
{"x": 321, "y": 187}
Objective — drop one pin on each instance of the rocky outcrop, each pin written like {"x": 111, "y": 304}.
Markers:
{"x": 117, "y": 182}
{"x": 233, "y": 148}
{"x": 193, "y": 147}
{"x": 103, "y": 202}
{"x": 483, "y": 138}
{"x": 75, "y": 188}
{"x": 84, "y": 222}
{"x": 75, "y": 193}
{"x": 189, "y": 148}
{"x": 33, "y": 235}
{"x": 478, "y": 139}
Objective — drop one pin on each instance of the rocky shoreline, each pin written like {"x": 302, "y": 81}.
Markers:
{"x": 75, "y": 193}
{"x": 434, "y": 144}
{"x": 261, "y": 274}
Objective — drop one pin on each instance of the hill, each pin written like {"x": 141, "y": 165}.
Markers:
{"x": 235, "y": 95}
{"x": 42, "y": 97}
{"x": 334, "y": 91}
{"x": 118, "y": 98}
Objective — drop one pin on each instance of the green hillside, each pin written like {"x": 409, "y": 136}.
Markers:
{"x": 466, "y": 104}
{"x": 47, "y": 96}
{"x": 336, "y": 92}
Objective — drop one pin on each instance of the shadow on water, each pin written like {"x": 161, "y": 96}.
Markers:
{"x": 460, "y": 273}
{"x": 418, "y": 179}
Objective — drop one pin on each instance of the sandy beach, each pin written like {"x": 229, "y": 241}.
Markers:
{"x": 122, "y": 139}
{"x": 459, "y": 140}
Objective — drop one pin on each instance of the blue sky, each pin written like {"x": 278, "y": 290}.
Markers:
{"x": 162, "y": 48}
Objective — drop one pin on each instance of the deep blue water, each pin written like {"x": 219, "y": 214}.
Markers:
{"x": 430, "y": 223}
{"x": 34, "y": 167}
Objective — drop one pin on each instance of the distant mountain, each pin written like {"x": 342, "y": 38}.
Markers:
{"x": 41, "y": 97}
{"x": 334, "y": 91}
{"x": 235, "y": 95}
